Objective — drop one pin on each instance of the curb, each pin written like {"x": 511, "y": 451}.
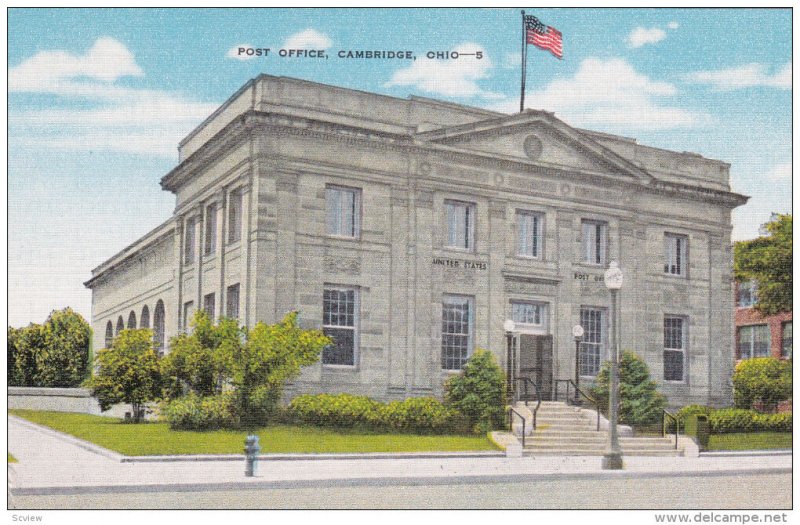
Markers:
{"x": 312, "y": 456}
{"x": 256, "y": 484}
{"x": 746, "y": 453}
{"x": 90, "y": 447}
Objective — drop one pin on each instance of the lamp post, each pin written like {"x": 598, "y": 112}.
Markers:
{"x": 612, "y": 459}
{"x": 509, "y": 327}
{"x": 577, "y": 333}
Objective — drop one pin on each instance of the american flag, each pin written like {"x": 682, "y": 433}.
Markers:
{"x": 542, "y": 36}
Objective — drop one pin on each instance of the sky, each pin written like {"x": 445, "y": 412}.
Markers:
{"x": 99, "y": 99}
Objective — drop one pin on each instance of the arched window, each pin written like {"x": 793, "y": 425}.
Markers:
{"x": 120, "y": 325}
{"x": 109, "y": 334}
{"x": 158, "y": 327}
{"x": 144, "y": 322}
{"x": 132, "y": 320}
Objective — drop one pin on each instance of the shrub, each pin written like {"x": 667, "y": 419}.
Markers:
{"x": 684, "y": 413}
{"x": 424, "y": 415}
{"x": 762, "y": 379}
{"x": 640, "y": 404}
{"x": 336, "y": 410}
{"x": 192, "y": 412}
{"x": 478, "y": 392}
{"x": 729, "y": 420}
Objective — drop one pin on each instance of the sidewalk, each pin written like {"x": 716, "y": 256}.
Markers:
{"x": 50, "y": 463}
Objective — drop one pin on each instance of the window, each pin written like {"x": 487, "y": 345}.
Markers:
{"x": 132, "y": 320}
{"x": 456, "y": 331}
{"x": 234, "y": 216}
{"x": 120, "y": 325}
{"x": 109, "y": 334}
{"x": 210, "y": 238}
{"x": 786, "y": 340}
{"x": 158, "y": 327}
{"x": 592, "y": 346}
{"x": 188, "y": 248}
{"x": 208, "y": 305}
{"x": 524, "y": 313}
{"x": 339, "y": 318}
{"x": 232, "y": 301}
{"x": 594, "y": 237}
{"x": 674, "y": 348}
{"x": 754, "y": 341}
{"x": 746, "y": 294}
{"x": 460, "y": 225}
{"x": 675, "y": 254}
{"x": 145, "y": 321}
{"x": 529, "y": 238}
{"x": 188, "y": 310}
{"x": 343, "y": 211}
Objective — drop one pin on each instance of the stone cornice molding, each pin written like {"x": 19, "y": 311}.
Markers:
{"x": 135, "y": 253}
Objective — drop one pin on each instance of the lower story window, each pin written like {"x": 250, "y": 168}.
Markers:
{"x": 232, "y": 301}
{"x": 339, "y": 321}
{"x": 786, "y": 340}
{"x": 674, "y": 348}
{"x": 188, "y": 312}
{"x": 209, "y": 302}
{"x": 754, "y": 341}
{"x": 456, "y": 331}
{"x": 592, "y": 347}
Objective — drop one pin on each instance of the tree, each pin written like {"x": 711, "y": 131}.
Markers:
{"x": 767, "y": 260}
{"x": 27, "y": 343}
{"x": 64, "y": 358}
{"x": 762, "y": 379}
{"x": 478, "y": 392}
{"x": 639, "y": 401}
{"x": 128, "y": 372}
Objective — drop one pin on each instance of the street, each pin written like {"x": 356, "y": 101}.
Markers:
{"x": 723, "y": 490}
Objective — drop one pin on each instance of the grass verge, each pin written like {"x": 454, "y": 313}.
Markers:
{"x": 152, "y": 439}
{"x": 750, "y": 441}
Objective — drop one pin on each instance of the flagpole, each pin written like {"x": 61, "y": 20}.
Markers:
{"x": 524, "y": 53}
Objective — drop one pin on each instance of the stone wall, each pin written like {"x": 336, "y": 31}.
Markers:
{"x": 60, "y": 400}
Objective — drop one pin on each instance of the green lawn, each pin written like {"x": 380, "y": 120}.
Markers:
{"x": 11, "y": 459}
{"x": 151, "y": 439}
{"x": 750, "y": 441}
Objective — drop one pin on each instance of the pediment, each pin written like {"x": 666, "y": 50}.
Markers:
{"x": 542, "y": 140}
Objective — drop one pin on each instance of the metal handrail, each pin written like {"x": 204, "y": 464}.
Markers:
{"x": 664, "y": 416}
{"x": 582, "y": 393}
{"x": 525, "y": 381}
{"x": 511, "y": 413}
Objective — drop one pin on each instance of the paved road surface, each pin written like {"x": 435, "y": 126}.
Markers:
{"x": 690, "y": 492}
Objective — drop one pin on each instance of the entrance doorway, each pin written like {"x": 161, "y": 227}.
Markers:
{"x": 536, "y": 362}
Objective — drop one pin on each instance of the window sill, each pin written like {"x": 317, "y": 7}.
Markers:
{"x": 675, "y": 276}
{"x": 343, "y": 237}
{"x": 537, "y": 258}
{"x": 341, "y": 368}
{"x": 458, "y": 250}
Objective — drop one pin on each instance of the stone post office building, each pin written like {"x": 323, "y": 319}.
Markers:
{"x": 411, "y": 229}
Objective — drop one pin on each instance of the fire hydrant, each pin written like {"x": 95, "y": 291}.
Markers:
{"x": 251, "y": 450}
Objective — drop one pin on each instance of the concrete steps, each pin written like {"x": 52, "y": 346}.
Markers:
{"x": 562, "y": 430}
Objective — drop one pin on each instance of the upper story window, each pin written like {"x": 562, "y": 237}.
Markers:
{"x": 754, "y": 341}
{"x": 460, "y": 225}
{"x": 747, "y": 295}
{"x": 189, "y": 240}
{"x": 529, "y": 234}
{"x": 528, "y": 314}
{"x": 210, "y": 236}
{"x": 234, "y": 216}
{"x": 343, "y": 207}
{"x": 674, "y": 348}
{"x": 339, "y": 322}
{"x": 786, "y": 340}
{"x": 594, "y": 238}
{"x": 675, "y": 254}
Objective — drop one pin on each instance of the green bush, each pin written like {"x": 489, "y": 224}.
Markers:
{"x": 684, "y": 413}
{"x": 424, "y": 415}
{"x": 640, "y": 404}
{"x": 762, "y": 379}
{"x": 478, "y": 392}
{"x": 730, "y": 420}
{"x": 192, "y": 412}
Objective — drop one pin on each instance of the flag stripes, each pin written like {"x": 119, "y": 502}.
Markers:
{"x": 542, "y": 36}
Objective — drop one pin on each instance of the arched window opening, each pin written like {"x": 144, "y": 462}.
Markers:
{"x": 109, "y": 334}
{"x": 144, "y": 322}
{"x": 120, "y": 325}
{"x": 132, "y": 320}
{"x": 158, "y": 327}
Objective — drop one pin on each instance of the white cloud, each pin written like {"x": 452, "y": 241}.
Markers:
{"x": 642, "y": 36}
{"x": 512, "y": 61}
{"x": 673, "y": 25}
{"x": 610, "y": 94}
{"x": 234, "y": 53}
{"x": 452, "y": 78}
{"x": 781, "y": 172}
{"x": 308, "y": 39}
{"x": 116, "y": 118}
{"x": 744, "y": 76}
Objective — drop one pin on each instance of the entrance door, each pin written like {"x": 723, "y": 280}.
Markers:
{"x": 536, "y": 362}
